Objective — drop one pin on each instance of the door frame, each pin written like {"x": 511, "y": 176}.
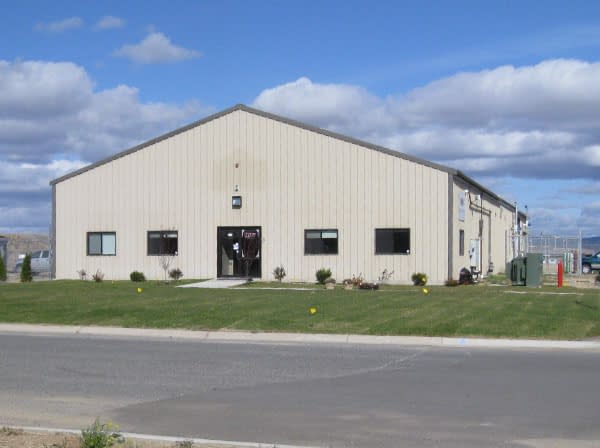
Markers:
{"x": 220, "y": 255}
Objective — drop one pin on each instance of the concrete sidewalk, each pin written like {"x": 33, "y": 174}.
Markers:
{"x": 296, "y": 338}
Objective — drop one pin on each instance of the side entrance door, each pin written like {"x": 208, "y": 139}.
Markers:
{"x": 474, "y": 253}
{"x": 239, "y": 251}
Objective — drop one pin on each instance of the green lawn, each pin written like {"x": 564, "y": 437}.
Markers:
{"x": 489, "y": 311}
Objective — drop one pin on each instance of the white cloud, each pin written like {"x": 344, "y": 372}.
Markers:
{"x": 48, "y": 108}
{"x": 155, "y": 48}
{"x": 60, "y": 25}
{"x": 533, "y": 121}
{"x": 109, "y": 22}
{"x": 16, "y": 178}
{"x": 53, "y": 121}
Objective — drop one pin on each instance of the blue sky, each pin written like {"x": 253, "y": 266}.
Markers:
{"x": 508, "y": 92}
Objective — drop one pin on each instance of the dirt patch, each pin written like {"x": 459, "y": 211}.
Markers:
{"x": 17, "y": 438}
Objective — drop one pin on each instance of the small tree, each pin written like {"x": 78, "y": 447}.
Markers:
{"x": 26, "y": 274}
{"x": 2, "y": 270}
{"x": 165, "y": 261}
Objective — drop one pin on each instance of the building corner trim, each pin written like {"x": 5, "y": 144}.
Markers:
{"x": 53, "y": 236}
{"x": 450, "y": 225}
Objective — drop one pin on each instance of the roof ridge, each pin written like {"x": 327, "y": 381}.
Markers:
{"x": 291, "y": 122}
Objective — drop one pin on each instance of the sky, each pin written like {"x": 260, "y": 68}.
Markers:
{"x": 506, "y": 91}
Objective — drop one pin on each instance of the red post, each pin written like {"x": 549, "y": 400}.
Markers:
{"x": 560, "y": 274}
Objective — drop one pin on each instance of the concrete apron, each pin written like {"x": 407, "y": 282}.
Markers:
{"x": 217, "y": 283}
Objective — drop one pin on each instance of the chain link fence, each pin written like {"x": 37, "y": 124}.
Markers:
{"x": 556, "y": 248}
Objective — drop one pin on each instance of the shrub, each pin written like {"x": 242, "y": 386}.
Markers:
{"x": 184, "y": 444}
{"x": 279, "y": 273}
{"x": 98, "y": 276}
{"x": 100, "y": 435}
{"x": 357, "y": 280}
{"x": 419, "y": 279}
{"x": 366, "y": 285}
{"x": 175, "y": 274}
{"x": 385, "y": 275}
{"x": 82, "y": 274}
{"x": 322, "y": 275}
{"x": 137, "y": 276}
{"x": 451, "y": 282}
{"x": 2, "y": 270}
{"x": 26, "y": 274}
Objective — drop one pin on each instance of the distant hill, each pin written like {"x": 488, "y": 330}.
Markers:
{"x": 590, "y": 244}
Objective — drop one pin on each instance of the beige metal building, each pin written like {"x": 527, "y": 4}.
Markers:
{"x": 243, "y": 191}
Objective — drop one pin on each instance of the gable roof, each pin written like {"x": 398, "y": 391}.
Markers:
{"x": 279, "y": 118}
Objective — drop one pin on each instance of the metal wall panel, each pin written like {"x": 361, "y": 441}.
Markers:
{"x": 290, "y": 179}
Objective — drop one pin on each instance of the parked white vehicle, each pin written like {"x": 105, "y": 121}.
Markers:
{"x": 40, "y": 262}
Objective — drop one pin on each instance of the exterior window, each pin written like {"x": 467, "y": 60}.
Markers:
{"x": 102, "y": 243}
{"x": 461, "y": 242}
{"x": 163, "y": 242}
{"x": 321, "y": 242}
{"x": 236, "y": 202}
{"x": 392, "y": 241}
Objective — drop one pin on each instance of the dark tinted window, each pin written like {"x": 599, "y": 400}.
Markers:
{"x": 392, "y": 241}
{"x": 321, "y": 242}
{"x": 163, "y": 242}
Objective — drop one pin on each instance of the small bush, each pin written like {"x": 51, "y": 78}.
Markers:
{"x": 98, "y": 276}
{"x": 451, "y": 282}
{"x": 100, "y": 435}
{"x": 357, "y": 280}
{"x": 137, "y": 276}
{"x": 2, "y": 270}
{"x": 322, "y": 275}
{"x": 175, "y": 274}
{"x": 329, "y": 280}
{"x": 82, "y": 274}
{"x": 385, "y": 275}
{"x": 26, "y": 274}
{"x": 279, "y": 273}
{"x": 419, "y": 279}
{"x": 367, "y": 285}
{"x": 184, "y": 444}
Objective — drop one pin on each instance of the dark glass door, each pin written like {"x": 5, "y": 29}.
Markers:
{"x": 238, "y": 252}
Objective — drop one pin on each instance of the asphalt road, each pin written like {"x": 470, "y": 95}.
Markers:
{"x": 317, "y": 395}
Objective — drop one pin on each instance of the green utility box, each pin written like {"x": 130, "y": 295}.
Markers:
{"x": 527, "y": 271}
{"x": 535, "y": 270}
{"x": 518, "y": 271}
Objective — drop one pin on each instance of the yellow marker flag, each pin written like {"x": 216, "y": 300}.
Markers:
{"x": 139, "y": 290}
{"x": 312, "y": 310}
{"x": 425, "y": 291}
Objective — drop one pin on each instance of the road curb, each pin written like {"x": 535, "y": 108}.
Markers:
{"x": 158, "y": 438}
{"x": 296, "y": 338}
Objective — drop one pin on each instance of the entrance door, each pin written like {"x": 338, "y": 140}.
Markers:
{"x": 474, "y": 253}
{"x": 238, "y": 252}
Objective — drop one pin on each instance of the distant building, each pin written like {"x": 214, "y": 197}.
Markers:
{"x": 243, "y": 191}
